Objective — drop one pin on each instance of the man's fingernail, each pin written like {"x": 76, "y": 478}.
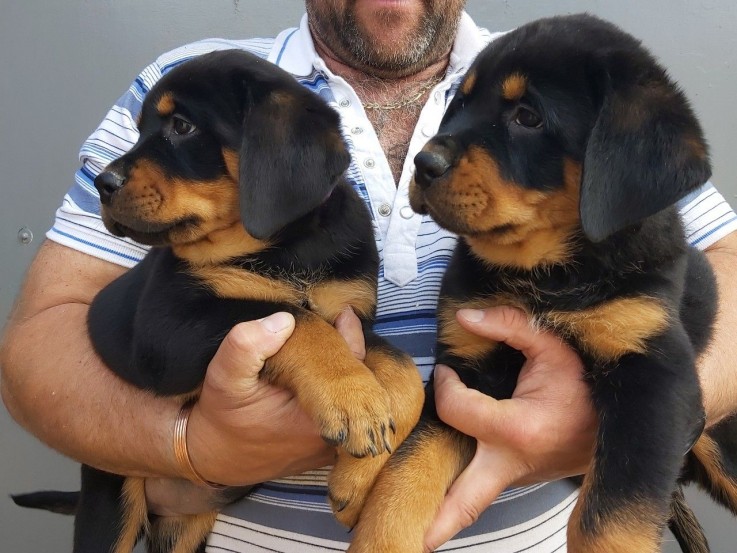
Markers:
{"x": 441, "y": 371}
{"x": 277, "y": 322}
{"x": 471, "y": 315}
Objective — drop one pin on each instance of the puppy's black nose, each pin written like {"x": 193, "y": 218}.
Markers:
{"x": 429, "y": 166}
{"x": 107, "y": 184}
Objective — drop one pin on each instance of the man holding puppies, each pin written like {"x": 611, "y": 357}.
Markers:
{"x": 389, "y": 68}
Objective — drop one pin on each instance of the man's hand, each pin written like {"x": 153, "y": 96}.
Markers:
{"x": 243, "y": 430}
{"x": 546, "y": 431}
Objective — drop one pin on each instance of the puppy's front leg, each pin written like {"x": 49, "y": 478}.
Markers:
{"x": 351, "y": 479}
{"x": 650, "y": 414}
{"x": 410, "y": 489}
{"x": 337, "y": 390}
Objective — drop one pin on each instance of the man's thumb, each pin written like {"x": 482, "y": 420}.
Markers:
{"x": 247, "y": 346}
{"x": 466, "y": 409}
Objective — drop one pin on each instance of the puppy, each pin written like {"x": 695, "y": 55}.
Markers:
{"x": 557, "y": 163}
{"x": 236, "y": 183}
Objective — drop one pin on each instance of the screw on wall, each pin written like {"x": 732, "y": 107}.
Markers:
{"x": 25, "y": 236}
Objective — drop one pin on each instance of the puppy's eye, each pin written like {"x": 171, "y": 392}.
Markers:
{"x": 180, "y": 126}
{"x": 525, "y": 117}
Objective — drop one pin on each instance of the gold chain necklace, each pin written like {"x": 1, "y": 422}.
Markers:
{"x": 416, "y": 95}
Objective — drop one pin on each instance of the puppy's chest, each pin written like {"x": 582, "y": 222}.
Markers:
{"x": 319, "y": 291}
{"x": 597, "y": 322}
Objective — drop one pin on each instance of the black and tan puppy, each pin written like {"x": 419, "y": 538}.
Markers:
{"x": 557, "y": 163}
{"x": 236, "y": 181}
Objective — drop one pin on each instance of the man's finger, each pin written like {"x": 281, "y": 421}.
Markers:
{"x": 474, "y": 490}
{"x": 509, "y": 325}
{"x": 349, "y": 326}
{"x": 247, "y": 346}
{"x": 468, "y": 410}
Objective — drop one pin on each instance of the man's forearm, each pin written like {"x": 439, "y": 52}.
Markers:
{"x": 57, "y": 388}
{"x": 717, "y": 367}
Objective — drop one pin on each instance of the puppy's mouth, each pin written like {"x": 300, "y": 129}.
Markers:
{"x": 454, "y": 221}
{"x": 417, "y": 200}
{"x": 500, "y": 230}
{"x": 152, "y": 233}
{"x": 442, "y": 215}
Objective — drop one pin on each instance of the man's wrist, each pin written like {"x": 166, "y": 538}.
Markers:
{"x": 185, "y": 465}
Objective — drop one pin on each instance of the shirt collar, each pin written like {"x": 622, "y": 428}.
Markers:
{"x": 294, "y": 50}
{"x": 469, "y": 42}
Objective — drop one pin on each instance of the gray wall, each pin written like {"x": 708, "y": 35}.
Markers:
{"x": 62, "y": 64}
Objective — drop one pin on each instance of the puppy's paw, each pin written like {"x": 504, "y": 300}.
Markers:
{"x": 353, "y": 413}
{"x": 350, "y": 483}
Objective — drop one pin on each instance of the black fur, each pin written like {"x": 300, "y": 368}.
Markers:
{"x": 158, "y": 326}
{"x": 604, "y": 105}
{"x": 334, "y": 240}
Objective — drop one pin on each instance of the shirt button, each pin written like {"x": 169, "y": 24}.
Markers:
{"x": 356, "y": 130}
{"x": 406, "y": 212}
{"x": 428, "y": 131}
{"x": 344, "y": 103}
{"x": 385, "y": 210}
{"x": 370, "y": 163}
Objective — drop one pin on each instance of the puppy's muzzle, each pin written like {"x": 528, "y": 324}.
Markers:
{"x": 107, "y": 184}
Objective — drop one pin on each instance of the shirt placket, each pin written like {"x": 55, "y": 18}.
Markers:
{"x": 397, "y": 223}
{"x": 400, "y": 253}
{"x": 367, "y": 153}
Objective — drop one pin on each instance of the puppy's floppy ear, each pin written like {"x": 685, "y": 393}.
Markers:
{"x": 292, "y": 154}
{"x": 645, "y": 151}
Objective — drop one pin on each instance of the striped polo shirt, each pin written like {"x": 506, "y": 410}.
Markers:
{"x": 292, "y": 514}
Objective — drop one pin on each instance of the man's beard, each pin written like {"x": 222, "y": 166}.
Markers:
{"x": 431, "y": 37}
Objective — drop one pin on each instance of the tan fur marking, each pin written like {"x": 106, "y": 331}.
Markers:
{"x": 615, "y": 328}
{"x": 328, "y": 299}
{"x": 314, "y": 342}
{"x": 350, "y": 482}
{"x": 232, "y": 164}
{"x": 235, "y": 283}
{"x": 219, "y": 246}
{"x": 352, "y": 479}
{"x": 626, "y": 532}
{"x": 337, "y": 390}
{"x": 215, "y": 203}
{"x": 408, "y": 493}
{"x": 398, "y": 375}
{"x": 165, "y": 105}
{"x": 514, "y": 87}
{"x": 505, "y": 223}
{"x": 184, "y": 533}
{"x": 468, "y": 82}
{"x": 707, "y": 452}
{"x": 635, "y": 529}
{"x": 149, "y": 197}
{"x": 460, "y": 341}
{"x": 135, "y": 514}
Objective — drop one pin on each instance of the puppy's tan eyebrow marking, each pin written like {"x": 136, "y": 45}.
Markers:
{"x": 468, "y": 82}
{"x": 165, "y": 106}
{"x": 514, "y": 86}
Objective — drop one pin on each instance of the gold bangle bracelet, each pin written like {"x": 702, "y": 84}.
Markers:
{"x": 181, "y": 453}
